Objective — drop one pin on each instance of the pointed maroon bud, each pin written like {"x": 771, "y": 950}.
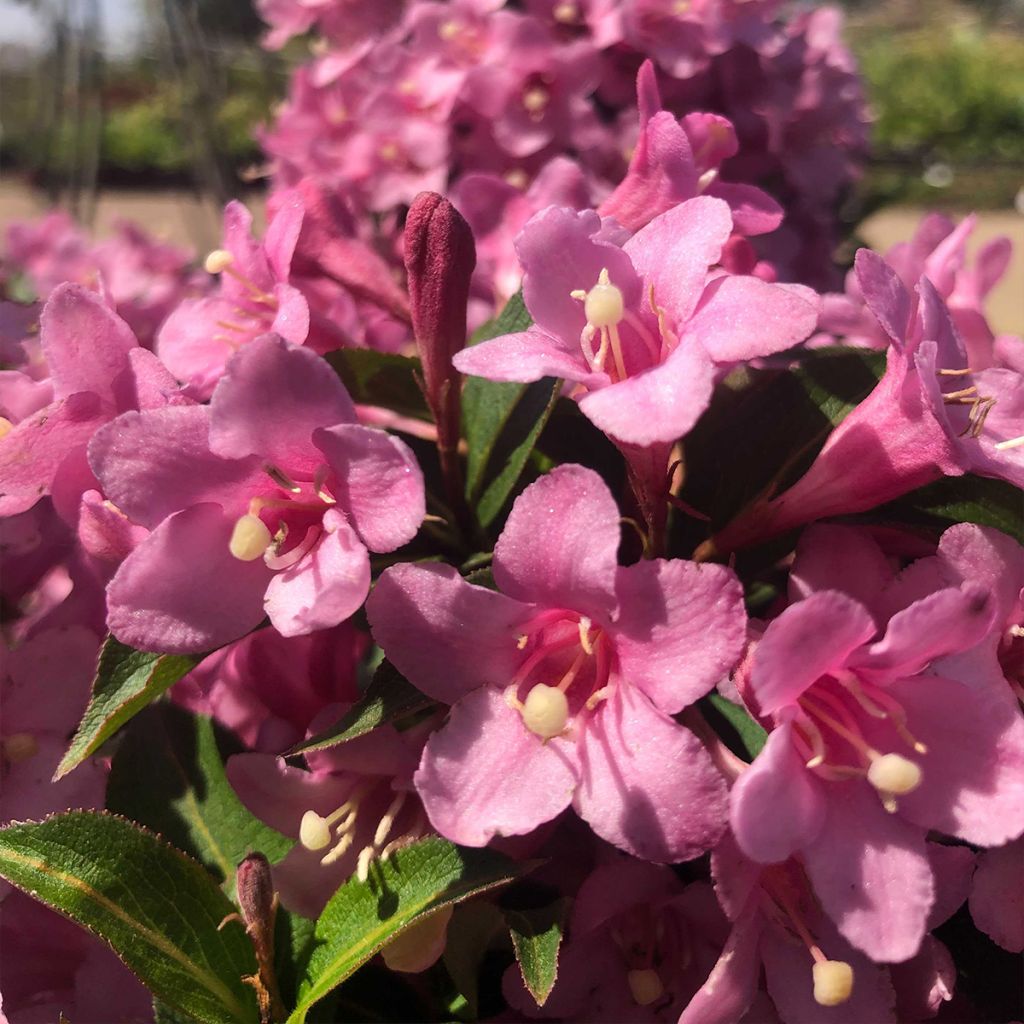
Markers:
{"x": 256, "y": 891}
{"x": 439, "y": 256}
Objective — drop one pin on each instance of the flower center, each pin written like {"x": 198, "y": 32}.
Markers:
{"x": 827, "y": 730}
{"x": 249, "y": 321}
{"x": 564, "y": 648}
{"x": 980, "y": 405}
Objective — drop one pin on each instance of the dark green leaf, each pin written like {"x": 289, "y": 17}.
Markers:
{"x": 380, "y": 378}
{"x": 126, "y": 681}
{"x": 362, "y": 917}
{"x": 163, "y": 1014}
{"x": 536, "y": 938}
{"x": 750, "y": 734}
{"x": 389, "y": 697}
{"x": 186, "y": 796}
{"x": 156, "y": 907}
{"x": 472, "y": 927}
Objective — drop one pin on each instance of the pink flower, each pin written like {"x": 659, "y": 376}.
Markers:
{"x": 254, "y": 298}
{"x": 872, "y": 744}
{"x": 563, "y": 683}
{"x": 97, "y": 370}
{"x": 639, "y": 325}
{"x": 264, "y": 502}
{"x": 997, "y": 895}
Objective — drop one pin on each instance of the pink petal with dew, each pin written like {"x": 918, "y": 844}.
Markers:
{"x": 445, "y": 635}
{"x": 484, "y": 774}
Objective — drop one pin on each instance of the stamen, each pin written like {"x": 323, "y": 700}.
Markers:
{"x": 522, "y": 641}
{"x": 387, "y": 822}
{"x": 218, "y": 261}
{"x": 281, "y": 478}
{"x": 229, "y": 326}
{"x": 645, "y": 986}
{"x": 855, "y": 690}
{"x": 249, "y": 538}
{"x": 597, "y": 696}
{"x": 955, "y": 373}
{"x": 535, "y": 100}
{"x": 960, "y": 394}
{"x": 6, "y": 426}
{"x": 296, "y": 554}
{"x": 585, "y": 635}
{"x": 366, "y": 855}
{"x": 565, "y": 12}
{"x": 567, "y": 680}
{"x": 546, "y": 711}
{"x": 833, "y": 982}
{"x": 1014, "y": 442}
{"x": 815, "y": 740}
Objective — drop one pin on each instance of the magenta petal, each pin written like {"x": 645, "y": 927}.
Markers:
{"x": 648, "y": 784}
{"x": 809, "y": 639}
{"x": 972, "y": 782}
{"x": 674, "y": 251}
{"x": 525, "y": 357}
{"x": 672, "y": 395}
{"x": 378, "y": 483}
{"x": 946, "y": 622}
{"x": 732, "y": 983}
{"x": 680, "y": 629}
{"x": 85, "y": 342}
{"x": 870, "y": 870}
{"x": 997, "y": 897}
{"x": 282, "y": 233}
{"x": 986, "y": 556}
{"x": 291, "y": 321}
{"x": 561, "y": 542}
{"x": 777, "y": 805}
{"x": 326, "y": 586}
{"x": 884, "y": 293}
{"x": 148, "y": 384}
{"x": 754, "y": 212}
{"x": 181, "y": 591}
{"x": 446, "y": 635}
{"x": 744, "y": 318}
{"x": 271, "y": 399}
{"x": 153, "y": 463}
{"x": 924, "y": 982}
{"x": 483, "y": 774}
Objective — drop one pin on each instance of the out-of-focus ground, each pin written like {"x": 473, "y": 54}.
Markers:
{"x": 178, "y": 216}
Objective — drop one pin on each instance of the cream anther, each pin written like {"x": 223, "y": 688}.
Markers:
{"x": 603, "y": 304}
{"x": 535, "y": 99}
{"x": 20, "y": 746}
{"x": 6, "y": 426}
{"x": 218, "y": 261}
{"x": 565, "y": 12}
{"x": 1014, "y": 442}
{"x": 314, "y": 832}
{"x": 449, "y": 29}
{"x": 545, "y": 711}
{"x": 250, "y": 538}
{"x": 645, "y": 986}
{"x": 894, "y": 774}
{"x": 833, "y": 982}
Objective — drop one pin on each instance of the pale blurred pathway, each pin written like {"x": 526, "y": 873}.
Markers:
{"x": 176, "y": 215}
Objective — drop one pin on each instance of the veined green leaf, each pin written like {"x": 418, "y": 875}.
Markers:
{"x": 381, "y": 378}
{"x": 751, "y": 734}
{"x": 156, "y": 907}
{"x": 126, "y": 681}
{"x": 536, "y": 938}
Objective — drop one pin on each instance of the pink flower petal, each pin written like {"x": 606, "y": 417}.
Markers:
{"x": 777, "y": 805}
{"x": 997, "y": 898}
{"x": 809, "y": 639}
{"x": 648, "y": 784}
{"x": 271, "y": 399}
{"x": 732, "y": 983}
{"x": 885, "y": 294}
{"x": 483, "y": 774}
{"x": 754, "y": 212}
{"x": 560, "y": 544}
{"x": 527, "y": 356}
{"x": 681, "y": 628}
{"x": 445, "y": 635}
{"x": 378, "y": 483}
{"x": 326, "y": 586}
{"x": 181, "y": 591}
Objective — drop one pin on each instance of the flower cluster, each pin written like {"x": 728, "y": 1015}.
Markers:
{"x": 751, "y": 714}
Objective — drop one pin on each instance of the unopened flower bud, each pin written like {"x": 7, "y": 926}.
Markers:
{"x": 314, "y": 832}
{"x": 892, "y": 773}
{"x": 255, "y": 889}
{"x": 545, "y": 711}
{"x": 250, "y": 538}
{"x": 645, "y": 986}
{"x": 833, "y": 982}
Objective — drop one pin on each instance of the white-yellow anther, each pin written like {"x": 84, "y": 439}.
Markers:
{"x": 20, "y": 746}
{"x": 645, "y": 986}
{"x": 895, "y": 774}
{"x": 535, "y": 99}
{"x": 833, "y": 982}
{"x": 449, "y": 29}
{"x": 604, "y": 305}
{"x": 218, "y": 261}
{"x": 314, "y": 832}
{"x": 6, "y": 426}
{"x": 565, "y": 12}
{"x": 545, "y": 711}
{"x": 250, "y": 538}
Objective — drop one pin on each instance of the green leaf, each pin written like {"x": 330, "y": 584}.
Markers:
{"x": 750, "y": 734}
{"x": 501, "y": 422}
{"x": 186, "y": 796}
{"x": 126, "y": 681}
{"x": 156, "y": 907}
{"x": 362, "y": 917}
{"x": 381, "y": 378}
{"x": 962, "y": 499}
{"x": 472, "y": 927}
{"x": 536, "y": 938}
{"x": 389, "y": 697}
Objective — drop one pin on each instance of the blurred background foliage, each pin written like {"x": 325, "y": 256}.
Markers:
{"x": 945, "y": 80}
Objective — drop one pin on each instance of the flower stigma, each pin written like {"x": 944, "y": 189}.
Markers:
{"x": 250, "y": 538}
{"x": 833, "y": 982}
{"x": 645, "y": 986}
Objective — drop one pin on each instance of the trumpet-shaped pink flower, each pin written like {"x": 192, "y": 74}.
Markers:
{"x": 639, "y": 326}
{"x": 264, "y": 502}
{"x": 563, "y": 683}
{"x": 97, "y": 369}
{"x": 873, "y": 745}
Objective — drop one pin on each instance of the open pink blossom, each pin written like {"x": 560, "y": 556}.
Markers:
{"x": 872, "y": 746}
{"x": 96, "y": 369}
{"x": 267, "y": 501}
{"x": 564, "y": 681}
{"x": 639, "y": 326}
